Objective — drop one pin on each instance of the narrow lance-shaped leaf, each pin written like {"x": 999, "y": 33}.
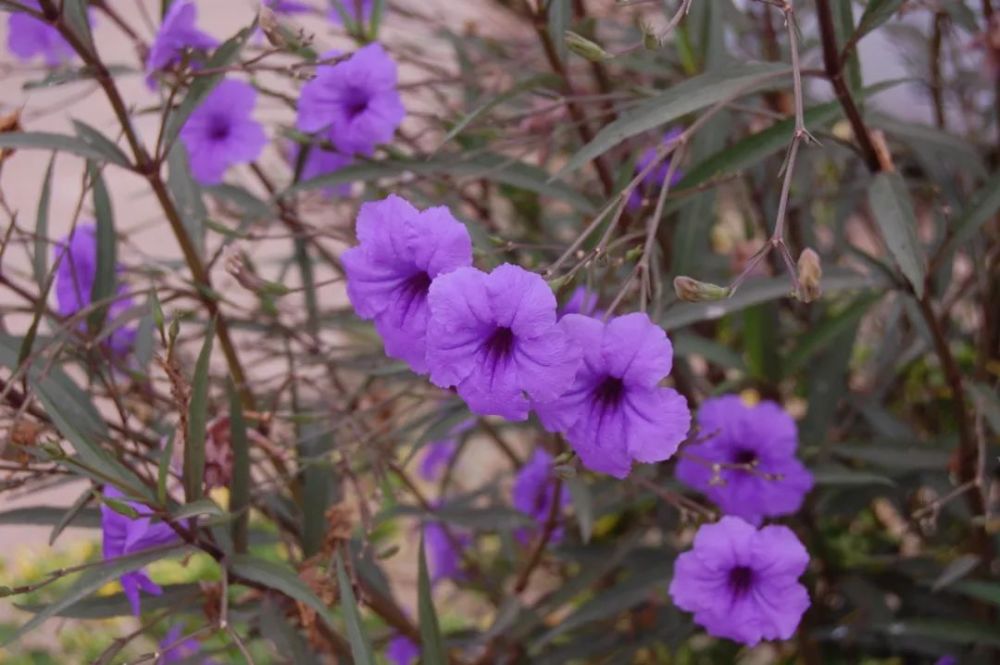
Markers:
{"x": 893, "y": 211}
{"x": 107, "y": 259}
{"x": 41, "y": 259}
{"x": 51, "y": 141}
{"x": 112, "y": 153}
{"x": 361, "y": 647}
{"x": 432, "y": 645}
{"x": 194, "y": 446}
{"x": 239, "y": 489}
{"x": 984, "y": 205}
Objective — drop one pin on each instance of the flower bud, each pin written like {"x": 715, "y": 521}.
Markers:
{"x": 810, "y": 273}
{"x": 269, "y": 25}
{"x": 691, "y": 290}
{"x": 586, "y": 48}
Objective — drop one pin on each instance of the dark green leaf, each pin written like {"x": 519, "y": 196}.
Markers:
{"x": 583, "y": 506}
{"x": 959, "y": 632}
{"x": 832, "y": 476}
{"x": 41, "y": 258}
{"x": 54, "y": 515}
{"x": 71, "y": 516}
{"x": 495, "y": 100}
{"x": 432, "y": 650}
{"x": 955, "y": 570}
{"x": 239, "y": 489}
{"x": 559, "y": 13}
{"x": 983, "y": 205}
{"x": 49, "y": 141}
{"x": 988, "y": 403}
{"x": 194, "y": 445}
{"x": 196, "y": 508}
{"x": 117, "y": 605}
{"x": 112, "y": 153}
{"x": 876, "y": 13}
{"x": 690, "y": 95}
{"x": 978, "y": 589}
{"x": 75, "y": 14}
{"x": 186, "y": 194}
{"x": 104, "y": 288}
{"x": 361, "y": 647}
{"x": 281, "y": 578}
{"x": 893, "y": 211}
{"x": 824, "y": 333}
{"x": 894, "y": 457}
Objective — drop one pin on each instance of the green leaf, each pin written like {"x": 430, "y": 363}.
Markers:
{"x": 899, "y": 458}
{"x": 978, "y": 589}
{"x": 41, "y": 259}
{"x": 239, "y": 488}
{"x": 983, "y": 205}
{"x": 75, "y": 14}
{"x": 432, "y": 650}
{"x": 583, "y": 506}
{"x": 361, "y": 647}
{"x": 41, "y": 515}
{"x": 224, "y": 56}
{"x": 822, "y": 334}
{"x": 89, "y": 582}
{"x": 197, "y": 508}
{"x": 497, "y": 168}
{"x": 690, "y": 95}
{"x": 540, "y": 80}
{"x": 281, "y": 578}
{"x": 893, "y": 211}
{"x": 960, "y": 632}
{"x": 876, "y": 13}
{"x": 103, "y": 289}
{"x": 49, "y": 141}
{"x": 762, "y": 290}
{"x": 988, "y": 403}
{"x": 832, "y": 476}
{"x": 70, "y": 515}
{"x": 958, "y": 568}
{"x": 194, "y": 446}
{"x": 186, "y": 194}
{"x": 288, "y": 641}
{"x": 112, "y": 153}
{"x": 559, "y": 14}
{"x": 117, "y": 605}
{"x": 74, "y": 415}
{"x": 163, "y": 467}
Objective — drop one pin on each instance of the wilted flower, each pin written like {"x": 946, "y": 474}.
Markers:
{"x": 355, "y": 100}
{"x": 28, "y": 37}
{"x": 615, "y": 411}
{"x": 439, "y": 453}
{"x": 741, "y": 583}
{"x": 653, "y": 180}
{"x": 177, "y": 34}
{"x": 402, "y": 651}
{"x": 75, "y": 276}
{"x": 762, "y": 436}
{"x": 175, "y": 650}
{"x": 355, "y": 10}
{"x": 221, "y": 132}
{"x": 319, "y": 162}
{"x": 534, "y": 492}
{"x": 400, "y": 251}
{"x": 494, "y": 337}
{"x": 124, "y": 535}
{"x": 582, "y": 301}
{"x": 444, "y": 553}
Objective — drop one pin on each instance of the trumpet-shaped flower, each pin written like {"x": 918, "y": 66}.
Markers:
{"x": 615, "y": 411}
{"x": 177, "y": 34}
{"x": 741, "y": 583}
{"x": 494, "y": 337}
{"x": 28, "y": 37}
{"x": 535, "y": 491}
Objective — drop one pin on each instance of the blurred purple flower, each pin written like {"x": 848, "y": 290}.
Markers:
{"x": 177, "y": 33}
{"x": 439, "y": 453}
{"x": 350, "y": 8}
{"x": 75, "y": 283}
{"x": 534, "y": 492}
{"x": 400, "y": 251}
{"x": 615, "y": 411}
{"x": 494, "y": 337}
{"x": 653, "y": 180}
{"x": 320, "y": 162}
{"x": 444, "y": 554}
{"x": 762, "y": 435}
{"x": 288, "y": 6}
{"x": 582, "y": 301}
{"x": 741, "y": 583}
{"x": 402, "y": 651}
{"x": 947, "y": 660}
{"x": 355, "y": 100}
{"x": 124, "y": 535}
{"x": 28, "y": 37}
{"x": 172, "y": 651}
{"x": 221, "y": 132}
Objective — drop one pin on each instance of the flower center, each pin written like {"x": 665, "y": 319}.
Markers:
{"x": 740, "y": 580}
{"x": 415, "y": 290}
{"x": 500, "y": 344}
{"x": 745, "y": 456}
{"x": 610, "y": 392}
{"x": 357, "y": 103}
{"x": 219, "y": 128}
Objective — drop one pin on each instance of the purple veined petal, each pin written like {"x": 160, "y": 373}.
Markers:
{"x": 547, "y": 365}
{"x": 77, "y": 256}
{"x": 461, "y": 319}
{"x": 177, "y": 33}
{"x": 659, "y": 421}
{"x": 582, "y": 301}
{"x": 134, "y": 582}
{"x": 635, "y": 351}
{"x": 221, "y": 132}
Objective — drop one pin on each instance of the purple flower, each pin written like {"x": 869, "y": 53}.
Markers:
{"x": 75, "y": 284}
{"x": 582, "y": 301}
{"x": 355, "y": 100}
{"x": 534, "y": 492}
{"x": 653, "y": 180}
{"x": 221, "y": 132}
{"x": 288, "y": 6}
{"x": 172, "y": 651}
{"x": 350, "y": 8}
{"x": 177, "y": 34}
{"x": 439, "y": 453}
{"x": 320, "y": 162}
{"x": 946, "y": 660}
{"x": 400, "y": 251}
{"x": 494, "y": 337}
{"x": 402, "y": 650}
{"x": 741, "y": 583}
{"x": 615, "y": 411}
{"x": 762, "y": 435}
{"x": 444, "y": 553}
{"x": 28, "y": 37}
{"x": 124, "y": 535}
